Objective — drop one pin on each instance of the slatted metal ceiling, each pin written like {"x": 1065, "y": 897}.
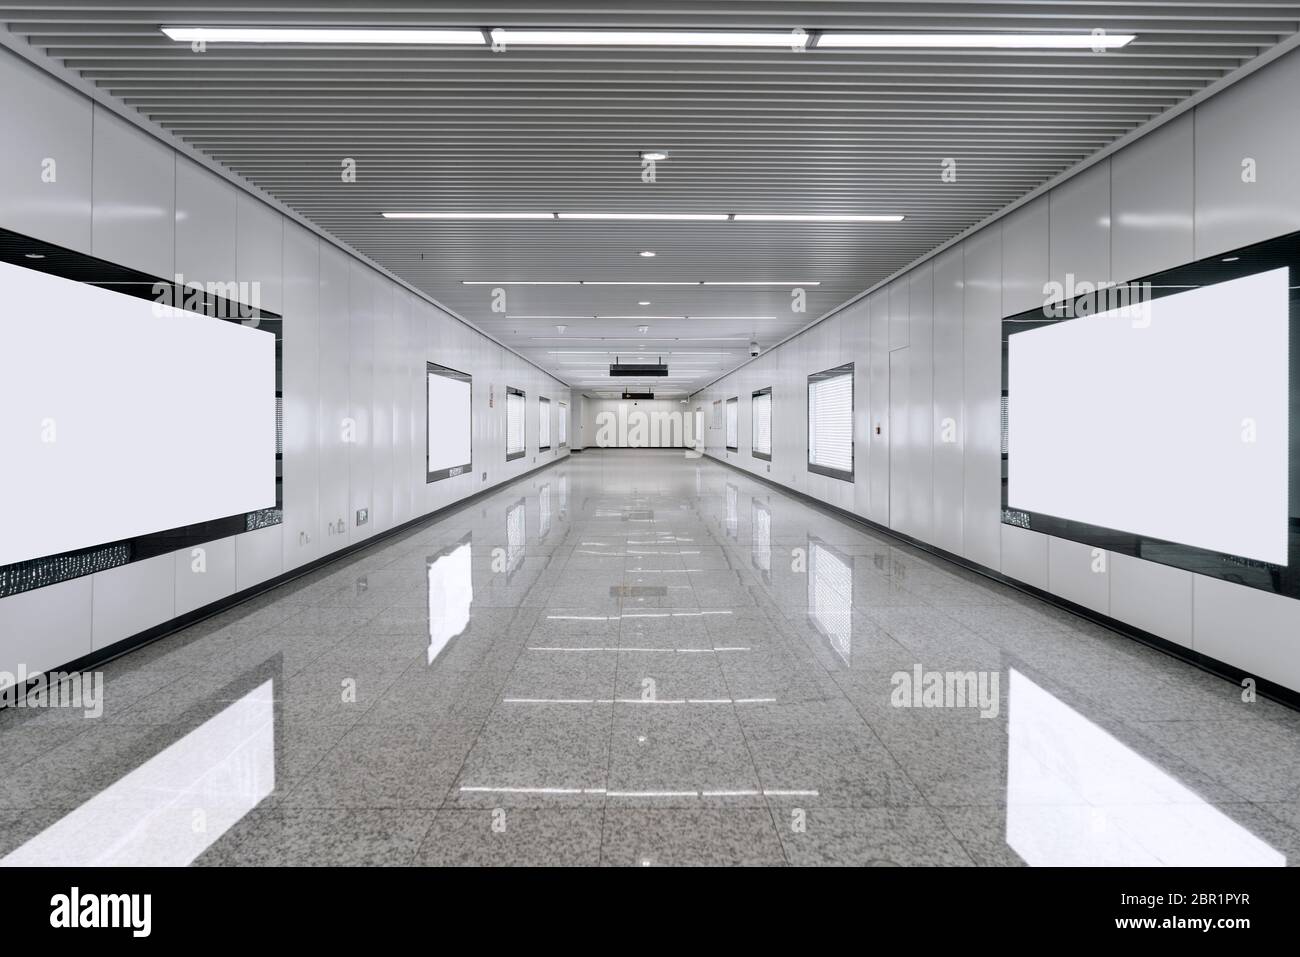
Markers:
{"x": 543, "y": 129}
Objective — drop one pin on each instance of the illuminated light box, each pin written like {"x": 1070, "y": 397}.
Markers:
{"x": 1157, "y": 422}
{"x": 124, "y": 417}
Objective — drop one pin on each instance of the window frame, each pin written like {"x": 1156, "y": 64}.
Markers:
{"x": 563, "y": 421}
{"x": 433, "y": 368}
{"x": 756, "y": 453}
{"x": 834, "y": 373}
{"x": 511, "y": 390}
{"x": 732, "y": 403}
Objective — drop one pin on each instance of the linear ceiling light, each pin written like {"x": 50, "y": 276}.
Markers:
{"x": 649, "y": 217}
{"x": 638, "y": 339}
{"x": 815, "y": 218}
{"x": 651, "y": 38}
{"x": 468, "y": 215}
{"x": 1018, "y": 41}
{"x": 761, "y": 282}
{"x": 640, "y": 282}
{"x": 665, "y": 217}
{"x": 299, "y": 35}
{"x": 640, "y": 318}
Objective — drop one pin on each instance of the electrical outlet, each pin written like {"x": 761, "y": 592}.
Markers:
{"x": 363, "y": 516}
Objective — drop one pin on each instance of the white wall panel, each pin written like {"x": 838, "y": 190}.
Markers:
{"x": 1080, "y": 228}
{"x": 899, "y": 441}
{"x": 259, "y": 555}
{"x": 335, "y": 408}
{"x": 361, "y": 384}
{"x": 383, "y": 410}
{"x": 1025, "y": 266}
{"x": 982, "y": 382}
{"x": 205, "y": 224}
{"x": 1153, "y": 192}
{"x": 134, "y": 194}
{"x": 949, "y": 429}
{"x": 875, "y": 454}
{"x": 1079, "y": 573}
{"x": 920, "y": 410}
{"x": 1254, "y": 630}
{"x": 1247, "y": 141}
{"x": 204, "y": 574}
{"x": 303, "y": 527}
{"x": 1151, "y": 596}
{"x": 260, "y": 250}
{"x": 46, "y": 627}
{"x": 1024, "y": 555}
{"x": 45, "y": 156}
{"x": 407, "y": 362}
{"x": 899, "y": 318}
{"x": 131, "y": 598}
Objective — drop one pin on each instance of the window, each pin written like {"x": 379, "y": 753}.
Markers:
{"x": 543, "y": 423}
{"x": 733, "y": 437}
{"x": 564, "y": 425}
{"x": 761, "y": 424}
{"x": 830, "y": 423}
{"x": 447, "y": 440}
{"x": 514, "y": 423}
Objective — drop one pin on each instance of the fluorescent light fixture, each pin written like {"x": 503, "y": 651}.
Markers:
{"x": 643, "y": 302}
{"x": 634, "y": 339}
{"x": 326, "y": 35}
{"x": 654, "y": 155}
{"x": 468, "y": 215}
{"x": 650, "y": 217}
{"x": 815, "y": 218}
{"x": 639, "y": 282}
{"x": 760, "y": 282}
{"x": 642, "y": 318}
{"x": 786, "y": 39}
{"x": 1015, "y": 41}
{"x": 647, "y": 253}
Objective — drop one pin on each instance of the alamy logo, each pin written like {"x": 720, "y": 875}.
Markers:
{"x": 1075, "y": 299}
{"x": 946, "y": 689}
{"x": 634, "y": 428}
{"x": 219, "y": 300}
{"x": 53, "y": 689}
{"x": 134, "y": 911}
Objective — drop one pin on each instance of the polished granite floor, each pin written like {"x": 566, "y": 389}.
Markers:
{"x": 636, "y": 658}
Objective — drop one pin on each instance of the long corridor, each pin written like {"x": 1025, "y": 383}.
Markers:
{"x": 641, "y": 658}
